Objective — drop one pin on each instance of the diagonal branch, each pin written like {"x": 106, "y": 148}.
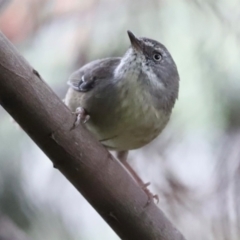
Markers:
{"x": 82, "y": 160}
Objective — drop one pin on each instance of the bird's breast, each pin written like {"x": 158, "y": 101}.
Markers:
{"x": 137, "y": 123}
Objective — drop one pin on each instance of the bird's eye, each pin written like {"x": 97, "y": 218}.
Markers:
{"x": 157, "y": 57}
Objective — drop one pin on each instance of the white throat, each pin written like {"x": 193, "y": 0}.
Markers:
{"x": 131, "y": 66}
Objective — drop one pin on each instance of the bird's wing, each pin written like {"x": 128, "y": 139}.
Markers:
{"x": 88, "y": 76}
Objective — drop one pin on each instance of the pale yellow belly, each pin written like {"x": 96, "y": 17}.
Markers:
{"x": 136, "y": 128}
{"x": 133, "y": 123}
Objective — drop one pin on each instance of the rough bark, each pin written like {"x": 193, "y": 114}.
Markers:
{"x": 82, "y": 160}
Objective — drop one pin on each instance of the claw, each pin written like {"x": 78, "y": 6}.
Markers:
{"x": 122, "y": 156}
{"x": 81, "y": 117}
{"x": 145, "y": 185}
{"x": 156, "y": 197}
{"x": 149, "y": 194}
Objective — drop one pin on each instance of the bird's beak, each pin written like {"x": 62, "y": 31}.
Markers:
{"x": 135, "y": 42}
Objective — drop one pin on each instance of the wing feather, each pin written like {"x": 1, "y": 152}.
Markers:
{"x": 88, "y": 76}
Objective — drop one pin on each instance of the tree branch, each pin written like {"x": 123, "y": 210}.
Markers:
{"x": 83, "y": 161}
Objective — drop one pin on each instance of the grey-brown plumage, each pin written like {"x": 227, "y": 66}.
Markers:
{"x": 129, "y": 99}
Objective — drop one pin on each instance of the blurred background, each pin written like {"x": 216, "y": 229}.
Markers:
{"x": 194, "y": 166}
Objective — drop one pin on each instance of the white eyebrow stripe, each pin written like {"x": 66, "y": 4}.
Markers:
{"x": 148, "y": 43}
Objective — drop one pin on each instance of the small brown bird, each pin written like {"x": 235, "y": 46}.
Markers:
{"x": 126, "y": 101}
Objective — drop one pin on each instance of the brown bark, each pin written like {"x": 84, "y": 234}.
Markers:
{"x": 83, "y": 161}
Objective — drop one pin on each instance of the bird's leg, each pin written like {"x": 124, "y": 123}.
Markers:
{"x": 122, "y": 156}
{"x": 81, "y": 116}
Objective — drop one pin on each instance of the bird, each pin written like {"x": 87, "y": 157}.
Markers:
{"x": 126, "y": 102}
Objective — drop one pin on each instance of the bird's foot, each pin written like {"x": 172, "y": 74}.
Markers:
{"x": 81, "y": 116}
{"x": 122, "y": 156}
{"x": 149, "y": 194}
